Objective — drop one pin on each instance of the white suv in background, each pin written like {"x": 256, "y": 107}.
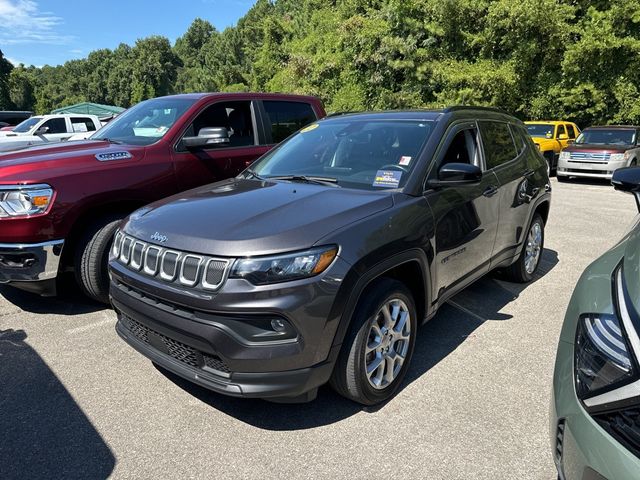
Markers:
{"x": 48, "y": 129}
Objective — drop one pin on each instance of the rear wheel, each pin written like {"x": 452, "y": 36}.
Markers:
{"x": 525, "y": 267}
{"x": 91, "y": 257}
{"x": 378, "y": 348}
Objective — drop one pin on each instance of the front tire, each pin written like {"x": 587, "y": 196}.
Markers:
{"x": 92, "y": 255}
{"x": 377, "y": 351}
{"x": 523, "y": 270}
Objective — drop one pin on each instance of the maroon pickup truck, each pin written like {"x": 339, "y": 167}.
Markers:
{"x": 60, "y": 205}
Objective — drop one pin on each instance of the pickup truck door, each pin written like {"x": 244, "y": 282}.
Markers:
{"x": 57, "y": 130}
{"x": 200, "y": 166}
{"x": 466, "y": 216}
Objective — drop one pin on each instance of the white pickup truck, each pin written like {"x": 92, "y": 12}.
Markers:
{"x": 48, "y": 129}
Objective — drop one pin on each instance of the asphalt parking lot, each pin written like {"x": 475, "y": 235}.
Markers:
{"x": 76, "y": 402}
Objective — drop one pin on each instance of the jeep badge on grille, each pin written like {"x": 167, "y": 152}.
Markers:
{"x": 158, "y": 237}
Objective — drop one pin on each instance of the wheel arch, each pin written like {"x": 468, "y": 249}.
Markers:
{"x": 91, "y": 216}
{"x": 410, "y": 267}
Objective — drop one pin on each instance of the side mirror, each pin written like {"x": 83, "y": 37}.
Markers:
{"x": 458, "y": 174}
{"x": 563, "y": 136}
{"x": 207, "y": 136}
{"x": 571, "y": 141}
{"x": 42, "y": 130}
{"x": 627, "y": 179}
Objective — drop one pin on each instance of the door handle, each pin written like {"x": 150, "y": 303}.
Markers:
{"x": 490, "y": 191}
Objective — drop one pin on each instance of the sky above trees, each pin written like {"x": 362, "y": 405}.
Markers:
{"x": 50, "y": 32}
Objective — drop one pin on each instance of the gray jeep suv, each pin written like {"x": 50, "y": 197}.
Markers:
{"x": 320, "y": 261}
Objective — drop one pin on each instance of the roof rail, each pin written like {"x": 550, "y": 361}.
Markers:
{"x": 337, "y": 114}
{"x": 457, "y": 108}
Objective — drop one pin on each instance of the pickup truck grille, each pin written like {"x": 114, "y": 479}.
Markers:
{"x": 173, "y": 266}
{"x": 590, "y": 157}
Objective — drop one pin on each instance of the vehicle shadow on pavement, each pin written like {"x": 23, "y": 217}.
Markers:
{"x": 44, "y": 433}
{"x": 70, "y": 301}
{"x": 455, "y": 321}
{"x": 467, "y": 311}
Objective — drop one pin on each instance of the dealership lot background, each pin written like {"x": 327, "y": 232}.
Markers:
{"x": 79, "y": 403}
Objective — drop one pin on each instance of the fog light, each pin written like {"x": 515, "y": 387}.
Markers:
{"x": 278, "y": 325}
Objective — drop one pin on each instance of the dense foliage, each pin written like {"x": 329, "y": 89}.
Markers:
{"x": 573, "y": 59}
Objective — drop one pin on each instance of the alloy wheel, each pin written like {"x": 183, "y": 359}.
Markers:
{"x": 387, "y": 343}
{"x": 534, "y": 245}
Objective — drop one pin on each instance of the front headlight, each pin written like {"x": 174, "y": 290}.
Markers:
{"x": 617, "y": 157}
{"x": 283, "y": 268}
{"x": 565, "y": 155}
{"x": 603, "y": 358}
{"x": 602, "y": 354}
{"x": 24, "y": 200}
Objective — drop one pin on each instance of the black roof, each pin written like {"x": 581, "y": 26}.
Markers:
{"x": 424, "y": 114}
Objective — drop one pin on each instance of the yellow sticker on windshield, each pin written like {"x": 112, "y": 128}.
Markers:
{"x": 313, "y": 126}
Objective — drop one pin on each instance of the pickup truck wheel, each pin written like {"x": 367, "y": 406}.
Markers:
{"x": 377, "y": 350}
{"x": 91, "y": 257}
{"x": 525, "y": 267}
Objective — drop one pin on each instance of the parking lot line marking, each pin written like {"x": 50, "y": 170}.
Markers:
{"x": 466, "y": 310}
{"x": 91, "y": 326}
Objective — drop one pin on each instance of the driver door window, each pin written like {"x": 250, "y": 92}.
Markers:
{"x": 463, "y": 148}
{"x": 55, "y": 126}
{"x": 236, "y": 117}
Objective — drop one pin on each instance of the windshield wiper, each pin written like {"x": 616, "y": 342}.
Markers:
{"x": 328, "y": 181}
{"x": 106, "y": 139}
{"x": 251, "y": 174}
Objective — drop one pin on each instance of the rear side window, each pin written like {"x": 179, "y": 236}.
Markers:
{"x": 520, "y": 137}
{"x": 498, "y": 143}
{"x": 56, "y": 125}
{"x": 287, "y": 117}
{"x": 82, "y": 125}
{"x": 571, "y": 131}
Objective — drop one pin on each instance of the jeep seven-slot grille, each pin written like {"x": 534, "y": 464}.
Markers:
{"x": 624, "y": 426}
{"x": 170, "y": 265}
{"x": 173, "y": 348}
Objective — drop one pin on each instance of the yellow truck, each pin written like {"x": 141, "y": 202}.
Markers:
{"x": 551, "y": 137}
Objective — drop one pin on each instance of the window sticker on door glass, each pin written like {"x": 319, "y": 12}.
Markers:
{"x": 387, "y": 178}
{"x": 404, "y": 160}
{"x": 313, "y": 126}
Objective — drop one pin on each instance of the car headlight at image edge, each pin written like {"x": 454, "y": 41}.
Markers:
{"x": 282, "y": 268}
{"x": 565, "y": 155}
{"x": 24, "y": 200}
{"x": 602, "y": 357}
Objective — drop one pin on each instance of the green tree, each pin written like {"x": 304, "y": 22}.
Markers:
{"x": 5, "y": 71}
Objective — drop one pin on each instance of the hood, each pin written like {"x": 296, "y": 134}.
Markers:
{"x": 59, "y": 155}
{"x": 594, "y": 147}
{"x": 631, "y": 264}
{"x": 241, "y": 217}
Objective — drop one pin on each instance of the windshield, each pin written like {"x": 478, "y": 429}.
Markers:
{"x": 540, "y": 130}
{"x": 27, "y": 125}
{"x": 615, "y": 136}
{"x": 356, "y": 153}
{"x": 146, "y": 122}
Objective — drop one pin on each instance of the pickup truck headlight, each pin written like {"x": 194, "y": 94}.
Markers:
{"x": 617, "y": 157}
{"x": 24, "y": 200}
{"x": 565, "y": 155}
{"x": 283, "y": 268}
{"x": 603, "y": 358}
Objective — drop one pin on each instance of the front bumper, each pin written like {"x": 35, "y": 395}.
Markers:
{"x": 29, "y": 262}
{"x": 573, "y": 168}
{"x": 203, "y": 336}
{"x": 585, "y": 450}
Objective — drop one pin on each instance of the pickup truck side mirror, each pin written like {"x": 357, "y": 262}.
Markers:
{"x": 42, "y": 130}
{"x": 207, "y": 136}
{"x": 628, "y": 180}
{"x": 457, "y": 174}
{"x": 563, "y": 136}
